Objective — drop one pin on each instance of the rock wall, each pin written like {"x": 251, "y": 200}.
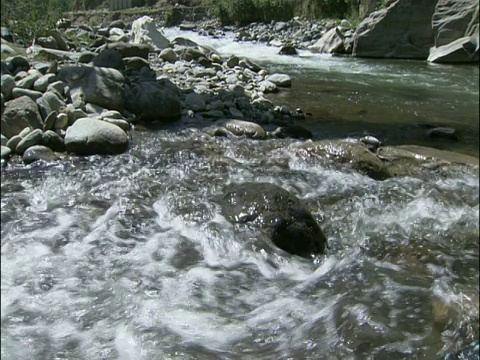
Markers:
{"x": 455, "y": 26}
{"x": 402, "y": 30}
{"x": 437, "y": 30}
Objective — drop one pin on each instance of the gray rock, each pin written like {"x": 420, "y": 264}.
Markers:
{"x": 61, "y": 122}
{"x": 249, "y": 64}
{"x": 4, "y": 140}
{"x": 7, "y": 85}
{"x": 245, "y": 128}
{"x": 88, "y": 136}
{"x": 168, "y": 55}
{"x": 13, "y": 142}
{"x": 109, "y": 58}
{"x": 453, "y": 20}
{"x": 135, "y": 63}
{"x": 195, "y": 102}
{"x": 463, "y": 50}
{"x": 50, "y": 121}
{"x": 25, "y": 132}
{"x": 59, "y": 40}
{"x": 281, "y": 214}
{"x": 282, "y": 80}
{"x": 122, "y": 124}
{"x": 267, "y": 86}
{"x": 18, "y": 114}
{"x": 117, "y": 24}
{"x": 74, "y": 114}
{"x": 18, "y": 63}
{"x": 86, "y": 56}
{"x": 58, "y": 86}
{"x": 232, "y": 61}
{"x": 288, "y": 50}
{"x": 6, "y": 153}
{"x": 53, "y": 141}
{"x": 5, "y": 49}
{"x": 42, "y": 83}
{"x": 32, "y": 94}
{"x": 293, "y": 131}
{"x": 145, "y": 31}
{"x": 151, "y": 101}
{"x": 94, "y": 109}
{"x": 33, "y": 138}
{"x": 331, "y": 42}
{"x": 402, "y": 30}
{"x": 235, "y": 112}
{"x": 218, "y": 114}
{"x": 28, "y": 81}
{"x": 47, "y": 42}
{"x": 442, "y": 132}
{"x": 48, "y": 102}
{"x": 111, "y": 114}
{"x": 417, "y": 161}
{"x": 353, "y": 153}
{"x": 128, "y": 49}
{"x": 101, "y": 86}
{"x": 38, "y": 152}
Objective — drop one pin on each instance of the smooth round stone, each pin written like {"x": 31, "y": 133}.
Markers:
{"x": 6, "y": 152}
{"x": 50, "y": 121}
{"x": 442, "y": 132}
{"x": 38, "y": 152}
{"x": 53, "y": 141}
{"x": 33, "y": 138}
{"x": 4, "y": 140}
{"x": 13, "y": 142}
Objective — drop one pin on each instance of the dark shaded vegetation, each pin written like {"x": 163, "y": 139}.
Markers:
{"x": 247, "y": 11}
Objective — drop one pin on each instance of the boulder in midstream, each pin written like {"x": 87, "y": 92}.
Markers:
{"x": 287, "y": 221}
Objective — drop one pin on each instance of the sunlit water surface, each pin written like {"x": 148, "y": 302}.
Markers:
{"x": 129, "y": 256}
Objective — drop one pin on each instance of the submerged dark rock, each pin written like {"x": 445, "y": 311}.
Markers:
{"x": 290, "y": 225}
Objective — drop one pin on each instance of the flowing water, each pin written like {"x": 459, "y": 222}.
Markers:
{"x": 129, "y": 256}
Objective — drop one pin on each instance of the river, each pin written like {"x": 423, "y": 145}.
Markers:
{"x": 129, "y": 257}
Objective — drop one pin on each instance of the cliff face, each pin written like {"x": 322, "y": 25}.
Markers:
{"x": 437, "y": 30}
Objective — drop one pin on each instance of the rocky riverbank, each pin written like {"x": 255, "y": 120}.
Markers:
{"x": 95, "y": 87}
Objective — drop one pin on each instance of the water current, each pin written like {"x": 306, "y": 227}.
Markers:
{"x": 129, "y": 257}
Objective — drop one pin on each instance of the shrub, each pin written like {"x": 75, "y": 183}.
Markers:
{"x": 247, "y": 11}
{"x": 30, "y": 19}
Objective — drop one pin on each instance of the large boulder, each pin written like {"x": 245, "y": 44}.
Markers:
{"x": 129, "y": 50}
{"x": 152, "y": 100}
{"x": 453, "y": 20}
{"x": 20, "y": 113}
{"x": 144, "y": 31}
{"x": 418, "y": 161}
{"x": 90, "y": 136}
{"x": 38, "y": 152}
{"x": 353, "y": 153}
{"x": 110, "y": 59}
{"x": 331, "y": 42}
{"x": 463, "y": 50}
{"x": 455, "y": 26}
{"x": 98, "y": 85}
{"x": 402, "y": 30}
{"x": 286, "y": 219}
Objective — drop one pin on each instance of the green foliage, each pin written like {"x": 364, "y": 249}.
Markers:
{"x": 354, "y": 17}
{"x": 247, "y": 11}
{"x": 29, "y": 19}
{"x": 320, "y": 9}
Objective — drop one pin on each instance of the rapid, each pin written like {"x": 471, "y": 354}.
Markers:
{"x": 129, "y": 256}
